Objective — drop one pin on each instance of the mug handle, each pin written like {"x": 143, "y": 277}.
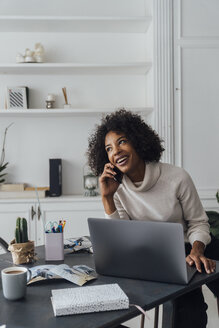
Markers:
{"x": 29, "y": 275}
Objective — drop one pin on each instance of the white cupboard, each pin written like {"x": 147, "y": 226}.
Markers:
{"x": 75, "y": 210}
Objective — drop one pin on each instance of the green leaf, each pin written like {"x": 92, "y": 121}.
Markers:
{"x": 217, "y": 196}
{"x": 2, "y": 167}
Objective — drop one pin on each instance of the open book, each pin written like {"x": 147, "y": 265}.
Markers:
{"x": 78, "y": 274}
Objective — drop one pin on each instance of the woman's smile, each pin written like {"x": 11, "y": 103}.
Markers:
{"x": 122, "y": 154}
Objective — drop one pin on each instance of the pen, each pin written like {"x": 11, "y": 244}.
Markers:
{"x": 63, "y": 225}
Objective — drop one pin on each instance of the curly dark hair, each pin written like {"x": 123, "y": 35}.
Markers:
{"x": 143, "y": 138}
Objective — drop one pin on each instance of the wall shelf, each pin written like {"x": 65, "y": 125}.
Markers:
{"x": 61, "y": 199}
{"x": 79, "y": 112}
{"x": 140, "y": 68}
{"x": 79, "y": 24}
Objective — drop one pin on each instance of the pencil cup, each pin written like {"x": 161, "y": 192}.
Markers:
{"x": 54, "y": 246}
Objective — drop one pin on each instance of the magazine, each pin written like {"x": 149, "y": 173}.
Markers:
{"x": 81, "y": 244}
{"x": 78, "y": 274}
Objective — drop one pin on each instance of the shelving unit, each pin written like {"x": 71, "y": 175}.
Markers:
{"x": 104, "y": 62}
{"x": 57, "y": 112}
{"x": 82, "y": 24}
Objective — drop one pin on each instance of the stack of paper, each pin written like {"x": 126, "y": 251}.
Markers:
{"x": 89, "y": 299}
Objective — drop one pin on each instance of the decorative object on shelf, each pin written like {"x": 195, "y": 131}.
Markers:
{"x": 21, "y": 248}
{"x": 50, "y": 100}
{"x": 3, "y": 165}
{"x": 39, "y": 53}
{"x": 17, "y": 97}
{"x": 32, "y": 56}
{"x": 20, "y": 58}
{"x": 66, "y": 105}
{"x": 29, "y": 56}
{"x": 90, "y": 182}
{"x": 55, "y": 177}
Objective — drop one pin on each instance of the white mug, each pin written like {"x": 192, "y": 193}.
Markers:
{"x": 14, "y": 282}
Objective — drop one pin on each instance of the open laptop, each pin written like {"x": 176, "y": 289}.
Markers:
{"x": 140, "y": 250}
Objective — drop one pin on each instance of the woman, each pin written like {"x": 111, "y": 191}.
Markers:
{"x": 151, "y": 190}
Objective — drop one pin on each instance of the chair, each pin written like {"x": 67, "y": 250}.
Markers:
{"x": 214, "y": 229}
{"x": 214, "y": 223}
{"x": 4, "y": 244}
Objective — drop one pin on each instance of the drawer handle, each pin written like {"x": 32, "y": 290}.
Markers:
{"x": 39, "y": 213}
{"x": 33, "y": 213}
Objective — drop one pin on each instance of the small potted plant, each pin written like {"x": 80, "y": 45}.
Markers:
{"x": 21, "y": 248}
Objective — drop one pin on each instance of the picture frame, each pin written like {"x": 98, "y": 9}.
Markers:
{"x": 17, "y": 97}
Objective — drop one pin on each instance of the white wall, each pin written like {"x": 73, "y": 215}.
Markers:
{"x": 32, "y": 141}
{"x": 197, "y": 101}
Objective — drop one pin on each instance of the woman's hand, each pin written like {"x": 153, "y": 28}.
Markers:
{"x": 198, "y": 258}
{"x": 108, "y": 185}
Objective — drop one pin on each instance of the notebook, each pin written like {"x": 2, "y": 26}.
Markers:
{"x": 88, "y": 299}
{"x": 140, "y": 250}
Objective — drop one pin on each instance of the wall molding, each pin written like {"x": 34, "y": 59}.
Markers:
{"x": 198, "y": 44}
{"x": 163, "y": 74}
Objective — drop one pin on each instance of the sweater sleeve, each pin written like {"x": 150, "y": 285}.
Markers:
{"x": 120, "y": 212}
{"x": 193, "y": 211}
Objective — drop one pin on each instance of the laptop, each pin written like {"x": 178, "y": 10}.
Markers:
{"x": 140, "y": 250}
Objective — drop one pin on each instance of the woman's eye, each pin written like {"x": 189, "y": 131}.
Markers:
{"x": 108, "y": 149}
{"x": 122, "y": 141}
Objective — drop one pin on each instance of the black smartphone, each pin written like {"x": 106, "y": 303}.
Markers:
{"x": 119, "y": 175}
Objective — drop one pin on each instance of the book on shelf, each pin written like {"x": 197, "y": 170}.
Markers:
{"x": 88, "y": 299}
{"x": 38, "y": 188}
{"x": 22, "y": 194}
{"x": 12, "y": 187}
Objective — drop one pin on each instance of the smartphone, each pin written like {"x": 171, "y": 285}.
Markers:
{"x": 119, "y": 175}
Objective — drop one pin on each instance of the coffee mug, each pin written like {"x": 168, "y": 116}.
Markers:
{"x": 14, "y": 282}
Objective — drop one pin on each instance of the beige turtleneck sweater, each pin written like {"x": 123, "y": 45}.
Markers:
{"x": 167, "y": 193}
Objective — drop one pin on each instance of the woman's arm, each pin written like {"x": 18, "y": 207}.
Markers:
{"x": 197, "y": 257}
{"x": 108, "y": 186}
{"x": 197, "y": 222}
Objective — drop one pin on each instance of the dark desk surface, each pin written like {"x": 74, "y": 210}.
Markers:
{"x": 36, "y": 309}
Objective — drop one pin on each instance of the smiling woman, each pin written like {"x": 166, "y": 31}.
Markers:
{"x": 141, "y": 136}
{"x": 123, "y": 155}
{"x": 153, "y": 191}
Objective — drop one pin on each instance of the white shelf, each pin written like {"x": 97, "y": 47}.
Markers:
{"x": 139, "y": 68}
{"x": 77, "y": 24}
{"x": 79, "y": 112}
{"x": 61, "y": 199}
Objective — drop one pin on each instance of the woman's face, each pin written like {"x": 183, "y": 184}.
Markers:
{"x": 121, "y": 153}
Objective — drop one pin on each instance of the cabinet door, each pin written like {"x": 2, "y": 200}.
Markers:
{"x": 8, "y": 215}
{"x": 75, "y": 214}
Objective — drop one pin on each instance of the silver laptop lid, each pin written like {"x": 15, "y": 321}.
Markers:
{"x": 139, "y": 249}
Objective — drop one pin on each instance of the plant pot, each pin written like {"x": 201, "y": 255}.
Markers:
{"x": 22, "y": 252}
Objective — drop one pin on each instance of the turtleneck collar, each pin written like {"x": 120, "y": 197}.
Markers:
{"x": 152, "y": 174}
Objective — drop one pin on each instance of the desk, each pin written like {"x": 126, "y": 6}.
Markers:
{"x": 36, "y": 309}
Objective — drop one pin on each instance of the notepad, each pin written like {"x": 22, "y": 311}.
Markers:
{"x": 88, "y": 299}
